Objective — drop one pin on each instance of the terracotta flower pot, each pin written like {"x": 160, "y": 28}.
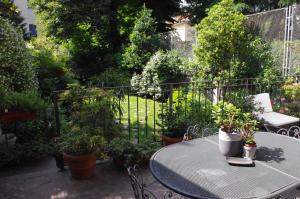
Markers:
{"x": 81, "y": 167}
{"x": 170, "y": 140}
{"x": 13, "y": 116}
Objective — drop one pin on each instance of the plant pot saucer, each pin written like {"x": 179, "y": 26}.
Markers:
{"x": 239, "y": 161}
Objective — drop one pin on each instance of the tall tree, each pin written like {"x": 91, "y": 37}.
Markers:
{"x": 88, "y": 27}
{"x": 96, "y": 29}
{"x": 162, "y": 12}
{"x": 8, "y": 10}
{"x": 144, "y": 42}
{"x": 225, "y": 49}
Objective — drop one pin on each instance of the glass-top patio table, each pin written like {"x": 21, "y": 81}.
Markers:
{"x": 196, "y": 169}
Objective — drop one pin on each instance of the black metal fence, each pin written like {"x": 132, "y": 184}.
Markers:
{"x": 141, "y": 113}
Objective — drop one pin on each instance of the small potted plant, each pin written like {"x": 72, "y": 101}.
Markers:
{"x": 125, "y": 152}
{"x": 227, "y": 118}
{"x": 248, "y": 128}
{"x": 20, "y": 106}
{"x": 145, "y": 149}
{"x": 122, "y": 151}
{"x": 175, "y": 124}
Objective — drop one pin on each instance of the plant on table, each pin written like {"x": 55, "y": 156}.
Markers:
{"x": 248, "y": 127}
{"x": 228, "y": 118}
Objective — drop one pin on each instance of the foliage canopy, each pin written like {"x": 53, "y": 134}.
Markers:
{"x": 226, "y": 49}
{"x": 16, "y": 72}
{"x": 144, "y": 41}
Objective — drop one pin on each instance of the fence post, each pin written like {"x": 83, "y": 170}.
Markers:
{"x": 171, "y": 99}
{"x": 56, "y": 113}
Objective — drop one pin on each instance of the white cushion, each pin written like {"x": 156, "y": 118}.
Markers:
{"x": 262, "y": 100}
{"x": 277, "y": 119}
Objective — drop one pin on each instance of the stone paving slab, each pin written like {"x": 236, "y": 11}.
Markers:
{"x": 45, "y": 181}
{"x": 107, "y": 183}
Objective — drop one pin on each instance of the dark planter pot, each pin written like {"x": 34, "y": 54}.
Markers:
{"x": 59, "y": 72}
{"x": 14, "y": 116}
{"x": 170, "y": 140}
{"x": 81, "y": 167}
{"x": 119, "y": 162}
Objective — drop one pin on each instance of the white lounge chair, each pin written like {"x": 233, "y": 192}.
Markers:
{"x": 268, "y": 116}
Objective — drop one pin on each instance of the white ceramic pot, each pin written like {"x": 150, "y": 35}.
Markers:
{"x": 230, "y": 144}
{"x": 249, "y": 151}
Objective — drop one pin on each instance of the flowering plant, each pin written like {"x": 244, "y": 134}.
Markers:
{"x": 280, "y": 104}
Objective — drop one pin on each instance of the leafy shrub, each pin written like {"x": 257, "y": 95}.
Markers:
{"x": 242, "y": 100}
{"x": 186, "y": 111}
{"x": 226, "y": 49}
{"x": 124, "y": 151}
{"x": 227, "y": 116}
{"x": 22, "y": 101}
{"x": 16, "y": 72}
{"x": 47, "y": 54}
{"x": 163, "y": 67}
{"x": 51, "y": 63}
{"x": 291, "y": 90}
{"x": 287, "y": 102}
{"x": 91, "y": 109}
{"x": 111, "y": 77}
{"x": 32, "y": 143}
{"x": 81, "y": 140}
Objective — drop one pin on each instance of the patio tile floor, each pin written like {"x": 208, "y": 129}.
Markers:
{"x": 45, "y": 181}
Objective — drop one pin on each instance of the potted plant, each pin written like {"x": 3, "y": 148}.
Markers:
{"x": 90, "y": 114}
{"x": 20, "y": 106}
{"x": 227, "y": 118}
{"x": 248, "y": 128}
{"x": 145, "y": 149}
{"x": 175, "y": 124}
{"x": 122, "y": 151}
{"x": 79, "y": 146}
{"x": 125, "y": 152}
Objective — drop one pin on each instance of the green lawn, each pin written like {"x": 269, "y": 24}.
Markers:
{"x": 150, "y": 125}
{"x": 137, "y": 111}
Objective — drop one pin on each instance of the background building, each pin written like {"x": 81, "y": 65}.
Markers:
{"x": 29, "y": 17}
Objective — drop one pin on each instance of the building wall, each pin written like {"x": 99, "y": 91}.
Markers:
{"x": 26, "y": 12}
{"x": 183, "y": 38}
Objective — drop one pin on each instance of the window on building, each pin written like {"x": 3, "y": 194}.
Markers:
{"x": 32, "y": 30}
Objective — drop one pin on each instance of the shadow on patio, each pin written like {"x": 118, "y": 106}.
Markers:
{"x": 45, "y": 181}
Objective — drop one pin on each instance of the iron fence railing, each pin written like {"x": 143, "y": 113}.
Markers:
{"x": 140, "y": 113}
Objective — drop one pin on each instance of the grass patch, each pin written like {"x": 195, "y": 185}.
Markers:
{"x": 143, "y": 114}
